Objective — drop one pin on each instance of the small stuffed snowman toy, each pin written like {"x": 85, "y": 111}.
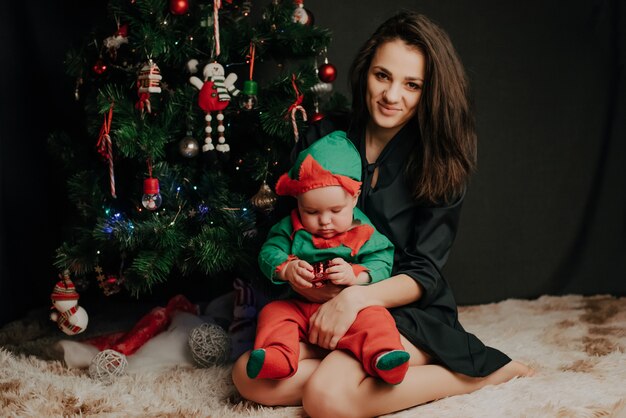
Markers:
{"x": 214, "y": 95}
{"x": 71, "y": 318}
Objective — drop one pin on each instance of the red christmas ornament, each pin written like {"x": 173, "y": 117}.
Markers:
{"x": 317, "y": 116}
{"x": 122, "y": 31}
{"x": 319, "y": 270}
{"x": 179, "y": 7}
{"x": 151, "y": 198}
{"x": 327, "y": 73}
{"x": 99, "y": 67}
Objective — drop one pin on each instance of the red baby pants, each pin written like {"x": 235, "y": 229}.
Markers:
{"x": 283, "y": 324}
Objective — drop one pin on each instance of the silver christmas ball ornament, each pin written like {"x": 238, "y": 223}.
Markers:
{"x": 188, "y": 147}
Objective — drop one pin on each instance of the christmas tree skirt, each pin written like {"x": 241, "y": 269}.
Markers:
{"x": 576, "y": 344}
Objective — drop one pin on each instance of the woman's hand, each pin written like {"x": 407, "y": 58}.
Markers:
{"x": 333, "y": 319}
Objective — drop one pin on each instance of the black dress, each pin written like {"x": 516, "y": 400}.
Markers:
{"x": 423, "y": 236}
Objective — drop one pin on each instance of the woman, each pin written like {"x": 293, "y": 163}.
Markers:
{"x": 413, "y": 127}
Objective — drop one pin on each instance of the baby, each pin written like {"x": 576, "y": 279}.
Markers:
{"x": 326, "y": 239}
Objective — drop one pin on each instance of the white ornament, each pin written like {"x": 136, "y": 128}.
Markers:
{"x": 149, "y": 79}
{"x": 209, "y": 344}
{"x": 223, "y": 147}
{"x": 107, "y": 365}
{"x": 71, "y": 318}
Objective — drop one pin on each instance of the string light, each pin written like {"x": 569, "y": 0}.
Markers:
{"x": 180, "y": 208}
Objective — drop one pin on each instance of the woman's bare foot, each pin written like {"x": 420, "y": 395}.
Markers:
{"x": 508, "y": 372}
{"x": 522, "y": 370}
{"x": 516, "y": 369}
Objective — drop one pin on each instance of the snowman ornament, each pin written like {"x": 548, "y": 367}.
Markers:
{"x": 71, "y": 318}
{"x": 214, "y": 96}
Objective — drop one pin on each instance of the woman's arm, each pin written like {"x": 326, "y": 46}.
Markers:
{"x": 333, "y": 319}
{"x": 395, "y": 291}
{"x": 319, "y": 294}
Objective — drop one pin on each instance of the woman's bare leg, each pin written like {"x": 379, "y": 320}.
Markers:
{"x": 278, "y": 392}
{"x": 357, "y": 395}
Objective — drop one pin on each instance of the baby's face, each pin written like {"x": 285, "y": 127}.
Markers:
{"x": 326, "y": 211}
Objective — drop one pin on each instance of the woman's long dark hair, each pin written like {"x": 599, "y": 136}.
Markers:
{"x": 445, "y": 155}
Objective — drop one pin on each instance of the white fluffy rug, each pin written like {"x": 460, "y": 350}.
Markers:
{"x": 577, "y": 345}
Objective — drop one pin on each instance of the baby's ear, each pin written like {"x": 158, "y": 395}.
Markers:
{"x": 355, "y": 198}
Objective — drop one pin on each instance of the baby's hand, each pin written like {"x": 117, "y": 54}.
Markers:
{"x": 340, "y": 272}
{"x": 299, "y": 273}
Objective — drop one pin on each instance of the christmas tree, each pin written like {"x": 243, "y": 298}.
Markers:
{"x": 191, "y": 109}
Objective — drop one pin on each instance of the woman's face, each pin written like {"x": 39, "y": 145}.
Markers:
{"x": 394, "y": 85}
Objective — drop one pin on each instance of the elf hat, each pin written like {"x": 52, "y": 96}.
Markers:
{"x": 330, "y": 161}
{"x": 64, "y": 290}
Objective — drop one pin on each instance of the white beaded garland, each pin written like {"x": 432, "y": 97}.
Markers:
{"x": 107, "y": 365}
{"x": 209, "y": 344}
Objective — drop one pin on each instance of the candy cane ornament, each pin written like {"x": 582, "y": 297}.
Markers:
{"x": 295, "y": 107}
{"x": 294, "y": 123}
{"x": 105, "y": 147}
{"x": 217, "y": 4}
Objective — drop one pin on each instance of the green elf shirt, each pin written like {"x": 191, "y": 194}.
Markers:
{"x": 362, "y": 246}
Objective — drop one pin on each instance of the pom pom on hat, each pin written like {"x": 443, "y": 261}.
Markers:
{"x": 64, "y": 290}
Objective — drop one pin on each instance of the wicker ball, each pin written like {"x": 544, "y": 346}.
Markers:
{"x": 209, "y": 344}
{"x": 107, "y": 365}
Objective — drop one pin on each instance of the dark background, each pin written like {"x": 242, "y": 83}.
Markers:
{"x": 545, "y": 212}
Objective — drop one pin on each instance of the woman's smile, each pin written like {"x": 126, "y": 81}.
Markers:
{"x": 388, "y": 110}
